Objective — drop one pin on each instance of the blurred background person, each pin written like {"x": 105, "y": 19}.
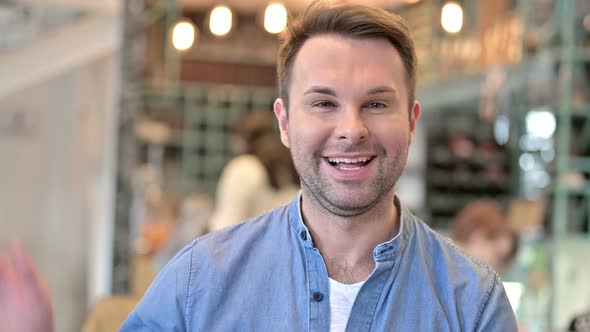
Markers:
{"x": 260, "y": 177}
{"x": 482, "y": 230}
{"x": 192, "y": 221}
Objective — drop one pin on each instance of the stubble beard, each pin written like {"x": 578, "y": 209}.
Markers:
{"x": 334, "y": 201}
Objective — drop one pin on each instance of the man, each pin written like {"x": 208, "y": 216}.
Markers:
{"x": 345, "y": 254}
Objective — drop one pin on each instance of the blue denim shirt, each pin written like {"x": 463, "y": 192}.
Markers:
{"x": 266, "y": 275}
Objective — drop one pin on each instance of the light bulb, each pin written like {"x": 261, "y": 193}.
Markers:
{"x": 183, "y": 35}
{"x": 275, "y": 18}
{"x": 451, "y": 17}
{"x": 220, "y": 20}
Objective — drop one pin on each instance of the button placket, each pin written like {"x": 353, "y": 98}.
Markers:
{"x": 303, "y": 235}
{"x": 318, "y": 287}
{"x": 318, "y": 297}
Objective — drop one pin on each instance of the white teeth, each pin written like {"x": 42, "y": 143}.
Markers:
{"x": 349, "y": 160}
{"x": 350, "y": 168}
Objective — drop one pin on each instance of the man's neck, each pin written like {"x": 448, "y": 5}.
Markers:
{"x": 347, "y": 243}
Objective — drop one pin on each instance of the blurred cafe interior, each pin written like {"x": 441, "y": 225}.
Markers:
{"x": 117, "y": 118}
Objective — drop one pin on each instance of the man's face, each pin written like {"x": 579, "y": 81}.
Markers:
{"x": 347, "y": 126}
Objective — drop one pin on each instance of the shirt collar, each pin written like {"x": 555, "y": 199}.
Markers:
{"x": 383, "y": 252}
{"x": 296, "y": 221}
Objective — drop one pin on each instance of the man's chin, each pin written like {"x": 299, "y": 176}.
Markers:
{"x": 345, "y": 207}
{"x": 345, "y": 201}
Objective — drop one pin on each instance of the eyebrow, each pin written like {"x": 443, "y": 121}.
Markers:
{"x": 381, "y": 89}
{"x": 331, "y": 92}
{"x": 321, "y": 90}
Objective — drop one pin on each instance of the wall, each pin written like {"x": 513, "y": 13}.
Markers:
{"x": 56, "y": 142}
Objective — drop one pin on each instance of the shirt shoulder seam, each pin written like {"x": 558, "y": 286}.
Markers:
{"x": 451, "y": 245}
{"x": 191, "y": 272}
{"x": 486, "y": 300}
{"x": 142, "y": 321}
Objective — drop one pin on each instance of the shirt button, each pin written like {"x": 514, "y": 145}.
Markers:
{"x": 317, "y": 296}
{"x": 303, "y": 235}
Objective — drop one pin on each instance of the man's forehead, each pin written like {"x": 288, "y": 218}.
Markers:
{"x": 333, "y": 58}
{"x": 330, "y": 41}
{"x": 326, "y": 49}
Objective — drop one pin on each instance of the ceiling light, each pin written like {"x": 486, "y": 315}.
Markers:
{"x": 275, "y": 18}
{"x": 183, "y": 35}
{"x": 220, "y": 21}
{"x": 451, "y": 17}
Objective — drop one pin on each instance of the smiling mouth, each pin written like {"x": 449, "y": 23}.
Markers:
{"x": 350, "y": 163}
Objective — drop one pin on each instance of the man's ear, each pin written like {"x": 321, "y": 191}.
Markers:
{"x": 414, "y": 116}
{"x": 280, "y": 110}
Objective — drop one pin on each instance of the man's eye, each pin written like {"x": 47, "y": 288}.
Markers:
{"x": 323, "y": 104}
{"x": 376, "y": 104}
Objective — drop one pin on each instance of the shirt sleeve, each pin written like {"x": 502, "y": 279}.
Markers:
{"x": 164, "y": 305}
{"x": 134, "y": 323}
{"x": 241, "y": 180}
{"x": 497, "y": 314}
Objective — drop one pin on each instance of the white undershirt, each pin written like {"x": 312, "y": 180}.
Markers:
{"x": 342, "y": 298}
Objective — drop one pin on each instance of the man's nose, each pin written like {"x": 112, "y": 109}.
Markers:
{"x": 351, "y": 126}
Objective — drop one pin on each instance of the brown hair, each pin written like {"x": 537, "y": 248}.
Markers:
{"x": 349, "y": 20}
{"x": 257, "y": 128}
{"x": 487, "y": 217}
{"x": 276, "y": 159}
{"x": 253, "y": 125}
{"x": 482, "y": 215}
